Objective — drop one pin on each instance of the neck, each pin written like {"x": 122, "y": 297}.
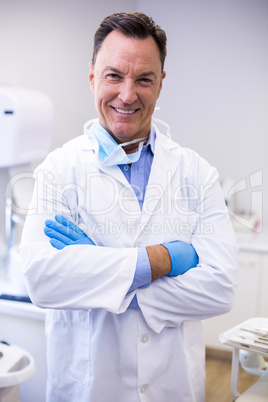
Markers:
{"x": 131, "y": 148}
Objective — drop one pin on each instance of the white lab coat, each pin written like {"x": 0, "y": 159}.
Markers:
{"x": 99, "y": 348}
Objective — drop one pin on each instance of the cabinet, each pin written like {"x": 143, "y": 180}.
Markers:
{"x": 251, "y": 294}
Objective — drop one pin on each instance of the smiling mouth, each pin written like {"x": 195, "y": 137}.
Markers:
{"x": 124, "y": 111}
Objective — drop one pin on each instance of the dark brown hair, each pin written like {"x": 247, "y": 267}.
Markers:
{"x": 135, "y": 25}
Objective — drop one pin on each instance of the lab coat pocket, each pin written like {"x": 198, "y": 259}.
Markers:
{"x": 68, "y": 345}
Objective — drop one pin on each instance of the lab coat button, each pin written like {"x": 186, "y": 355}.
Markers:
{"x": 145, "y": 338}
{"x": 143, "y": 389}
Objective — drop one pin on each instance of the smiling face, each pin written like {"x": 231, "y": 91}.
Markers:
{"x": 126, "y": 81}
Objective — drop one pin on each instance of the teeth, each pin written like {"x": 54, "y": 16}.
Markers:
{"x": 125, "y": 111}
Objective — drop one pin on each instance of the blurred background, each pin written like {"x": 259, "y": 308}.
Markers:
{"x": 215, "y": 95}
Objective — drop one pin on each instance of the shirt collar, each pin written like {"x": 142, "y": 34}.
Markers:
{"x": 151, "y": 140}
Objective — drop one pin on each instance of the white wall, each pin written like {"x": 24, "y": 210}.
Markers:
{"x": 47, "y": 45}
{"x": 215, "y": 96}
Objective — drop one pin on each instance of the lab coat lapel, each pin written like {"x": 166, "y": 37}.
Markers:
{"x": 165, "y": 163}
{"x": 120, "y": 186}
{"x": 113, "y": 171}
{"x": 90, "y": 144}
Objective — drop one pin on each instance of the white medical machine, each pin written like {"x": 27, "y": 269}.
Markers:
{"x": 16, "y": 366}
{"x": 249, "y": 341}
{"x": 25, "y": 131}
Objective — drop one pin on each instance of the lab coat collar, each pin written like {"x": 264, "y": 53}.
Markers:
{"x": 160, "y": 144}
{"x": 91, "y": 144}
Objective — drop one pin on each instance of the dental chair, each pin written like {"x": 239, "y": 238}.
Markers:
{"x": 249, "y": 341}
{"x": 16, "y": 366}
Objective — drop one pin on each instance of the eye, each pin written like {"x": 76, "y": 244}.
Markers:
{"x": 112, "y": 76}
{"x": 145, "y": 81}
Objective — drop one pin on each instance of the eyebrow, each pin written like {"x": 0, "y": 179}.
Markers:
{"x": 147, "y": 74}
{"x": 115, "y": 70}
{"x": 110, "y": 68}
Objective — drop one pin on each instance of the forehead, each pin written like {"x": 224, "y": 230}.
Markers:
{"x": 120, "y": 49}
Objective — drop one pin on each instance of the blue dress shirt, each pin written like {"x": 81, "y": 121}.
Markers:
{"x": 138, "y": 175}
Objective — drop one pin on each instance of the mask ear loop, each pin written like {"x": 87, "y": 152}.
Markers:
{"x": 166, "y": 125}
{"x": 134, "y": 141}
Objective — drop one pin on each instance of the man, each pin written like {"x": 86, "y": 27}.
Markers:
{"x": 137, "y": 247}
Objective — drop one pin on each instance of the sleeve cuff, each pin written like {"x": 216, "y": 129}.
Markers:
{"x": 142, "y": 277}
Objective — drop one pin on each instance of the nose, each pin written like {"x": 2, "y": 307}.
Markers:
{"x": 128, "y": 94}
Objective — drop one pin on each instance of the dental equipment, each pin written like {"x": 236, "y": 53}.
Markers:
{"x": 250, "y": 348}
{"x": 25, "y": 130}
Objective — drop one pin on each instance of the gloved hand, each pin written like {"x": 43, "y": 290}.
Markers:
{"x": 183, "y": 257}
{"x": 63, "y": 232}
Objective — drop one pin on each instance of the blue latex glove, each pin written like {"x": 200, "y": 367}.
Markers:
{"x": 63, "y": 232}
{"x": 183, "y": 257}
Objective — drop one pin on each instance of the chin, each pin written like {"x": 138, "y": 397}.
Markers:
{"x": 124, "y": 134}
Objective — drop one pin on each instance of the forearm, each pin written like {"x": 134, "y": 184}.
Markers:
{"x": 160, "y": 261}
{"x": 166, "y": 259}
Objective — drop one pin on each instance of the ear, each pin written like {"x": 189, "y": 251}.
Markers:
{"x": 91, "y": 77}
{"x": 160, "y": 86}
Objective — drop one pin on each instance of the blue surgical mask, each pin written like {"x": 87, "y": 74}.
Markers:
{"x": 110, "y": 153}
